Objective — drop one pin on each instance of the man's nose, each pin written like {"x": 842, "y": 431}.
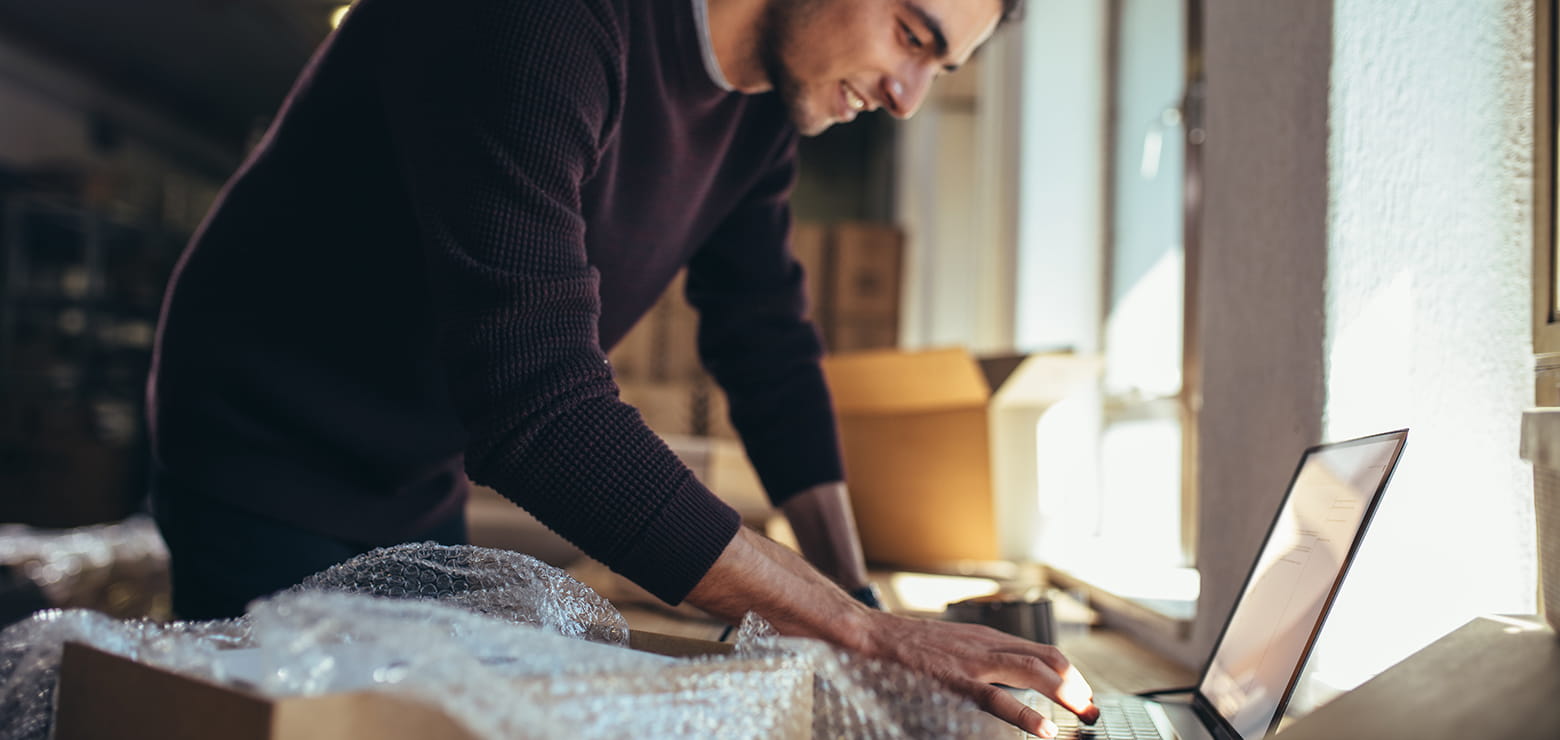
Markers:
{"x": 903, "y": 93}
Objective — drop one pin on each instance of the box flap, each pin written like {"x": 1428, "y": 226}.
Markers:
{"x": 893, "y": 382}
{"x": 102, "y": 695}
{"x": 1043, "y": 380}
{"x": 999, "y": 367}
{"x": 675, "y": 646}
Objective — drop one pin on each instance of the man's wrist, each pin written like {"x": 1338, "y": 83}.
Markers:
{"x": 825, "y": 529}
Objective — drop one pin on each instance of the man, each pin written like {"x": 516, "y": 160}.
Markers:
{"x": 415, "y": 275}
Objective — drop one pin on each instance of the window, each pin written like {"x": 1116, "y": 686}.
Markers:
{"x": 1136, "y": 539}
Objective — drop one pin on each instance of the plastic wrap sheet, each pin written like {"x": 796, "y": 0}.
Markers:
{"x": 498, "y": 583}
{"x": 30, "y": 657}
{"x": 504, "y": 644}
{"x": 120, "y": 569}
{"x": 856, "y": 697}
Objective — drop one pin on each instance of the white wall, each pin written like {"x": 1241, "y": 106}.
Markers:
{"x": 1365, "y": 266}
{"x": 1428, "y": 313}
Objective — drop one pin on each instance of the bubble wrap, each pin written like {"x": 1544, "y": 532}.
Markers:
{"x": 498, "y": 583}
{"x": 119, "y": 568}
{"x": 506, "y": 645}
{"x": 30, "y": 657}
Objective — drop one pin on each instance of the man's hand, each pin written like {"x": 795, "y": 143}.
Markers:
{"x": 754, "y": 574}
{"x": 826, "y": 531}
{"x": 970, "y": 658}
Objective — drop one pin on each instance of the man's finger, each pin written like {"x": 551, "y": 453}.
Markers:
{"x": 1047, "y": 672}
{"x": 1051, "y": 654}
{"x": 1008, "y": 708}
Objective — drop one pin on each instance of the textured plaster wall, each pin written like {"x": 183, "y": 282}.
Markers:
{"x": 1427, "y": 312}
{"x": 1365, "y": 266}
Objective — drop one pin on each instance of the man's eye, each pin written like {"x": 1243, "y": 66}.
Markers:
{"x": 911, "y": 38}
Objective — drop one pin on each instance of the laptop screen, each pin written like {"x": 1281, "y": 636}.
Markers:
{"x": 1301, "y": 565}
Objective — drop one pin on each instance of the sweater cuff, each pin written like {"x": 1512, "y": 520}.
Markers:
{"x": 680, "y": 544}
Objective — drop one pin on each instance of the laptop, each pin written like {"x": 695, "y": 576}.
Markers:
{"x": 1256, "y": 662}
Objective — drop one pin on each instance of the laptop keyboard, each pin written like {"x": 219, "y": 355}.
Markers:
{"x": 1120, "y": 719}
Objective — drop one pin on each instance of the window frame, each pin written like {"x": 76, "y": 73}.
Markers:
{"x": 1546, "y": 319}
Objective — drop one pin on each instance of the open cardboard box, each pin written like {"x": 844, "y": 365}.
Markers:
{"x": 923, "y": 432}
{"x": 102, "y": 695}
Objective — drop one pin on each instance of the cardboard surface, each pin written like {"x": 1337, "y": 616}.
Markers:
{"x": 1042, "y": 448}
{"x": 890, "y": 382}
{"x": 667, "y": 408}
{"x": 941, "y": 469}
{"x": 866, "y": 274}
{"x": 103, "y": 696}
{"x": 854, "y": 335}
{"x": 913, "y": 426}
{"x": 676, "y": 326}
{"x": 809, "y": 247}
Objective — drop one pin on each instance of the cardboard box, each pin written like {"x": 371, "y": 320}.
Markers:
{"x": 920, "y": 431}
{"x": 856, "y": 335}
{"x": 809, "y": 242}
{"x": 914, "y": 432}
{"x": 634, "y": 356}
{"x": 854, "y": 271}
{"x": 1046, "y": 421}
{"x": 102, "y": 695}
{"x": 722, "y": 465}
{"x": 668, "y": 408}
{"x": 663, "y": 347}
{"x": 864, "y": 283}
{"x": 717, "y": 412}
{"x": 676, "y": 327}
{"x": 496, "y": 522}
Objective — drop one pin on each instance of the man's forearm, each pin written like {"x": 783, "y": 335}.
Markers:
{"x": 826, "y": 531}
{"x": 756, "y": 574}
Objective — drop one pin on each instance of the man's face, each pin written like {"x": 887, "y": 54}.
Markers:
{"x": 832, "y": 59}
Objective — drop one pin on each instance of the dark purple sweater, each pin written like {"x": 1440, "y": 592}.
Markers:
{"x": 415, "y": 276}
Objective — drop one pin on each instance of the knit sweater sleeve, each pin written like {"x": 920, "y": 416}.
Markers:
{"x": 754, "y": 339}
{"x": 498, "y": 112}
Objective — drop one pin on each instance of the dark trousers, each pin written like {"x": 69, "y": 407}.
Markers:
{"x": 224, "y": 557}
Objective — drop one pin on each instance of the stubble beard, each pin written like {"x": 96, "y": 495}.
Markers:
{"x": 778, "y": 43}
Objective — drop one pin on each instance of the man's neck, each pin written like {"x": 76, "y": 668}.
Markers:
{"x": 734, "y": 33}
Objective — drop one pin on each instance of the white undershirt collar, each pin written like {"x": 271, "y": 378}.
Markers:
{"x": 701, "y": 18}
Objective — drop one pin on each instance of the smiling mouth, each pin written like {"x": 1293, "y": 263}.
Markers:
{"x": 854, "y": 101}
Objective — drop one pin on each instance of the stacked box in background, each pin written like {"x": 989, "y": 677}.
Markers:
{"x": 658, "y": 371}
{"x": 853, "y": 285}
{"x": 861, "y": 268}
